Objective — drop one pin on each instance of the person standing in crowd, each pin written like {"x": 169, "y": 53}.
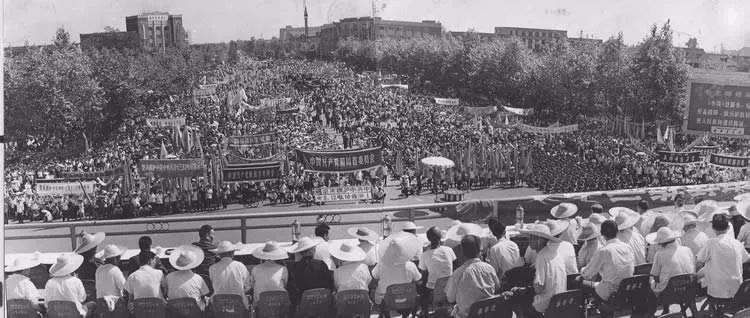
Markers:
{"x": 87, "y": 244}
{"x": 550, "y": 276}
{"x": 144, "y": 244}
{"x": 183, "y": 283}
{"x": 626, "y": 219}
{"x": 110, "y": 282}
{"x": 564, "y": 213}
{"x": 503, "y": 255}
{"x": 473, "y": 281}
{"x": 206, "y": 243}
{"x": 367, "y": 239}
{"x": 227, "y": 275}
{"x": 592, "y": 242}
{"x": 307, "y": 272}
{"x": 720, "y": 262}
{"x": 269, "y": 275}
{"x": 436, "y": 262}
{"x": 613, "y": 263}
{"x": 321, "y": 248}
{"x": 62, "y": 285}
{"x": 146, "y": 282}
{"x": 350, "y": 272}
{"x": 18, "y": 285}
{"x": 692, "y": 238}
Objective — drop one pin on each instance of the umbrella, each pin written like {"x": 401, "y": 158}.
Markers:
{"x": 640, "y": 154}
{"x": 457, "y": 232}
{"x": 440, "y": 162}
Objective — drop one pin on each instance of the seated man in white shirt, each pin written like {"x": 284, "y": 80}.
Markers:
{"x": 670, "y": 260}
{"x": 613, "y": 263}
{"x": 146, "y": 282}
{"x": 473, "y": 281}
{"x": 184, "y": 283}
{"x": 227, "y": 275}
{"x": 503, "y": 255}
{"x": 66, "y": 287}
{"x": 550, "y": 276}
{"x": 436, "y": 262}
{"x": 350, "y": 273}
{"x": 110, "y": 282}
{"x": 18, "y": 285}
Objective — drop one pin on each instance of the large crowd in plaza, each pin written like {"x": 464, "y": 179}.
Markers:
{"x": 408, "y": 125}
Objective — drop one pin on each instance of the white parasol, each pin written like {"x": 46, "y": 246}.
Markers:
{"x": 440, "y": 162}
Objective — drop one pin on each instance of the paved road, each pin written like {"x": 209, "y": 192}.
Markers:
{"x": 372, "y": 220}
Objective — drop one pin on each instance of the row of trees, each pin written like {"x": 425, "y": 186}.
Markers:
{"x": 561, "y": 80}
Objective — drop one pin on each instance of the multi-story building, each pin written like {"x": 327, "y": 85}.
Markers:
{"x": 150, "y": 31}
{"x": 110, "y": 40}
{"x": 369, "y": 28}
{"x": 534, "y": 39}
{"x": 290, "y": 33}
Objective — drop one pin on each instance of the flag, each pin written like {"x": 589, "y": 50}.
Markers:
{"x": 659, "y": 139}
{"x": 643, "y": 129}
{"x": 529, "y": 169}
{"x": 197, "y": 141}
{"x": 163, "y": 154}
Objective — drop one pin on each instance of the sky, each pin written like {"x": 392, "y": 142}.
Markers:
{"x": 715, "y": 23}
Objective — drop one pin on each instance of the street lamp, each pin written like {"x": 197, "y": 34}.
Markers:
{"x": 387, "y": 224}
{"x": 296, "y": 231}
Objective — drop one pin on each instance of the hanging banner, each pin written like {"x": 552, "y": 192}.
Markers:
{"x": 347, "y": 193}
{"x": 673, "y": 157}
{"x": 402, "y": 86}
{"x": 478, "y": 111}
{"x": 729, "y": 161}
{"x": 252, "y": 140}
{"x": 166, "y": 122}
{"x": 93, "y": 174}
{"x": 211, "y": 90}
{"x": 340, "y": 160}
{"x": 446, "y": 101}
{"x": 52, "y": 187}
{"x": 172, "y": 167}
{"x": 208, "y": 86}
{"x": 547, "y": 130}
{"x": 706, "y": 150}
{"x": 252, "y": 172}
{"x": 276, "y": 103}
{"x": 519, "y": 111}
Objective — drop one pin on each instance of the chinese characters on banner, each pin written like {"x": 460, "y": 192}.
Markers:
{"x": 252, "y": 172}
{"x": 340, "y": 160}
{"x": 728, "y": 161}
{"x": 253, "y": 139}
{"x": 93, "y": 174}
{"x": 168, "y": 122}
{"x": 446, "y": 101}
{"x": 172, "y": 167}
{"x": 209, "y": 90}
{"x": 349, "y": 193}
{"x": 275, "y": 103}
{"x": 671, "y": 157}
{"x": 719, "y": 109}
{"x": 50, "y": 187}
{"x": 706, "y": 150}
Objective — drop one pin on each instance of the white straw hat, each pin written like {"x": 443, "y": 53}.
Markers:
{"x": 303, "y": 244}
{"x": 22, "y": 263}
{"x": 563, "y": 210}
{"x": 347, "y": 251}
{"x": 66, "y": 263}
{"x": 225, "y": 247}
{"x": 186, "y": 257}
{"x": 270, "y": 251}
{"x": 88, "y": 241}
{"x": 539, "y": 230}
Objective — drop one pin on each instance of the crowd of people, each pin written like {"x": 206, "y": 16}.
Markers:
{"x": 707, "y": 243}
{"x": 328, "y": 97}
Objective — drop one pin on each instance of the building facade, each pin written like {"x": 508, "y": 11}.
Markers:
{"x": 534, "y": 39}
{"x": 369, "y": 28}
{"x": 110, "y": 40}
{"x": 157, "y": 30}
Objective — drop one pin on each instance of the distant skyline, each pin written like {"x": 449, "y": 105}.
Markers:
{"x": 713, "y": 22}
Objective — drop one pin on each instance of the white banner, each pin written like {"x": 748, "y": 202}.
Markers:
{"x": 547, "y": 130}
{"x": 446, "y": 101}
{"x": 168, "y": 122}
{"x": 403, "y": 86}
{"x": 519, "y": 111}
{"x": 275, "y": 102}
{"x": 65, "y": 188}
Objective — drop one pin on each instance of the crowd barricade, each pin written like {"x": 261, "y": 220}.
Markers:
{"x": 345, "y": 193}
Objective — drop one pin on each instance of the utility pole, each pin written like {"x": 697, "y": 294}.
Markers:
{"x": 304, "y": 2}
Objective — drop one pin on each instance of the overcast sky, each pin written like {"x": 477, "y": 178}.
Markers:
{"x": 713, "y": 22}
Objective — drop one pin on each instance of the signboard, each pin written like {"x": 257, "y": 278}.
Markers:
{"x": 446, "y": 101}
{"x": 252, "y": 172}
{"x": 718, "y": 102}
{"x": 93, "y": 174}
{"x": 253, "y": 139}
{"x": 340, "y": 160}
{"x": 706, "y": 150}
{"x": 172, "y": 167}
{"x": 674, "y": 157}
{"x": 728, "y": 161}
{"x": 45, "y": 187}
{"x": 349, "y": 193}
{"x": 167, "y": 122}
{"x": 547, "y": 130}
{"x": 487, "y": 110}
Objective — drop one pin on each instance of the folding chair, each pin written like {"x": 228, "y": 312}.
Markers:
{"x": 401, "y": 298}
{"x": 632, "y": 295}
{"x": 21, "y": 308}
{"x": 149, "y": 308}
{"x": 353, "y": 304}
{"x": 643, "y": 269}
{"x": 566, "y": 305}
{"x": 740, "y": 301}
{"x": 121, "y": 309}
{"x": 62, "y": 309}
{"x": 228, "y": 306}
{"x": 492, "y": 307}
{"x": 681, "y": 290}
{"x": 572, "y": 283}
{"x": 273, "y": 304}
{"x": 674, "y": 315}
{"x": 315, "y": 303}
{"x": 745, "y": 313}
{"x": 440, "y": 299}
{"x": 183, "y": 308}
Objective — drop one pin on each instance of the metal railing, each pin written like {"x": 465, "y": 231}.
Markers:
{"x": 161, "y": 225}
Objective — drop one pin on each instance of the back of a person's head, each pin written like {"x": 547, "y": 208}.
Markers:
{"x": 144, "y": 243}
{"x": 145, "y": 258}
{"x": 720, "y": 222}
{"x": 498, "y": 229}
{"x": 470, "y": 245}
{"x": 609, "y": 229}
{"x": 434, "y": 236}
{"x": 322, "y": 230}
{"x": 643, "y": 205}
{"x": 205, "y": 230}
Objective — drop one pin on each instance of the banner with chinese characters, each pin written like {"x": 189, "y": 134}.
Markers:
{"x": 519, "y": 111}
{"x": 275, "y": 103}
{"x": 673, "y": 157}
{"x": 52, "y": 187}
{"x": 706, "y": 150}
{"x": 401, "y": 86}
{"x": 718, "y": 103}
{"x": 347, "y": 193}
{"x": 165, "y": 122}
{"x": 208, "y": 86}
{"x": 487, "y": 110}
{"x": 728, "y": 161}
{"x": 546, "y": 130}
{"x": 446, "y": 101}
{"x": 210, "y": 90}
{"x": 252, "y": 140}
{"x": 91, "y": 175}
{"x": 252, "y": 172}
{"x": 340, "y": 160}
{"x": 172, "y": 167}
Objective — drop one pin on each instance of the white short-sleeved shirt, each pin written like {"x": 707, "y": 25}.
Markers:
{"x": 186, "y": 284}
{"x": 146, "y": 282}
{"x": 66, "y": 288}
{"x": 230, "y": 277}
{"x": 392, "y": 274}
{"x": 438, "y": 263}
{"x": 21, "y": 287}
{"x": 268, "y": 276}
{"x": 694, "y": 240}
{"x": 672, "y": 261}
{"x": 723, "y": 257}
{"x": 352, "y": 276}
{"x": 109, "y": 281}
{"x": 636, "y": 242}
{"x": 744, "y": 235}
{"x": 551, "y": 274}
{"x": 504, "y": 256}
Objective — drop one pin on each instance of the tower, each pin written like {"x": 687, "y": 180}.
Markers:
{"x": 305, "y": 4}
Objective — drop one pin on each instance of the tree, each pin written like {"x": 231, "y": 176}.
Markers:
{"x": 692, "y": 43}
{"x": 62, "y": 38}
{"x": 233, "y": 54}
{"x": 613, "y": 77}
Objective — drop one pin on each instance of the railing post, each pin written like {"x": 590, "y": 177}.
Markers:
{"x": 73, "y": 237}
{"x": 243, "y": 234}
{"x": 411, "y": 215}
